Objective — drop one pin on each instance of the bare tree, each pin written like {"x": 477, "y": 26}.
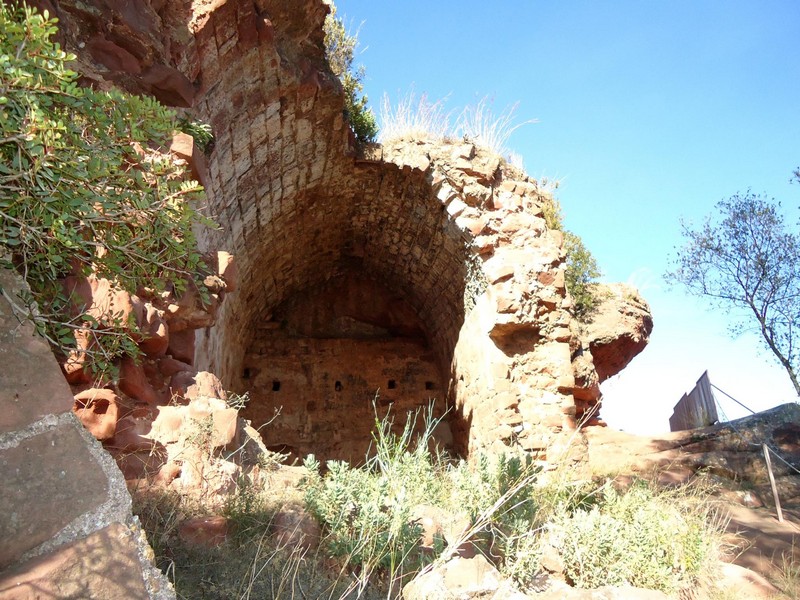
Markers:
{"x": 746, "y": 257}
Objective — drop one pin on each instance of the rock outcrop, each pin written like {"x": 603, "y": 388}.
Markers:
{"x": 615, "y": 332}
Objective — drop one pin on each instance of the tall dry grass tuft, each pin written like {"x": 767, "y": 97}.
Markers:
{"x": 479, "y": 124}
{"x": 419, "y": 118}
{"x": 414, "y": 117}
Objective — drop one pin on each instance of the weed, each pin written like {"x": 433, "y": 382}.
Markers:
{"x": 480, "y": 125}
{"x": 788, "y": 578}
{"x": 414, "y": 117}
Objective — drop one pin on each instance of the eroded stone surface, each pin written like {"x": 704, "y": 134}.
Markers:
{"x": 48, "y": 480}
{"x": 25, "y": 396}
{"x": 103, "y": 565}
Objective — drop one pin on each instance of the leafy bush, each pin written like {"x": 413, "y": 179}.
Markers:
{"x": 367, "y": 511}
{"x": 638, "y": 537}
{"x": 581, "y": 275}
{"x": 80, "y": 188}
{"x": 340, "y": 49}
{"x": 582, "y": 271}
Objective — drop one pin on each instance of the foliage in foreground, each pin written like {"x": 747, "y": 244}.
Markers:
{"x": 507, "y": 508}
{"x": 748, "y": 259}
{"x": 640, "y": 536}
{"x": 80, "y": 189}
{"x": 340, "y": 48}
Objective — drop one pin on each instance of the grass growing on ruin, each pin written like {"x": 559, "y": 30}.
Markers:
{"x": 506, "y": 507}
{"x": 420, "y": 118}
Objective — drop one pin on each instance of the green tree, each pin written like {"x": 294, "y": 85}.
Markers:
{"x": 746, "y": 258}
{"x": 81, "y": 187}
{"x": 340, "y": 48}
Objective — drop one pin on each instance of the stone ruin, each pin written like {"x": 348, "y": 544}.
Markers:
{"x": 393, "y": 278}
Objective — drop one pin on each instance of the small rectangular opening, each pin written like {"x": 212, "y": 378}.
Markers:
{"x": 392, "y": 384}
{"x": 429, "y": 385}
{"x": 276, "y": 386}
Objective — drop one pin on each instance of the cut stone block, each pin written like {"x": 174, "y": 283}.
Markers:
{"x": 29, "y": 388}
{"x": 48, "y": 481}
{"x": 104, "y": 565}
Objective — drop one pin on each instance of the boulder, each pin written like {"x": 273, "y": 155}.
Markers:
{"x": 619, "y": 328}
{"x": 294, "y": 527}
{"x": 133, "y": 382}
{"x": 204, "y": 532}
{"x": 457, "y": 579}
{"x": 98, "y": 410}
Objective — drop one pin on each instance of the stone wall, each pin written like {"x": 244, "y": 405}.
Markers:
{"x": 66, "y": 526}
{"x": 451, "y": 232}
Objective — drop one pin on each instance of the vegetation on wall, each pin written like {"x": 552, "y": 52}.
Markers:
{"x": 83, "y": 188}
{"x": 340, "y": 48}
{"x": 582, "y": 270}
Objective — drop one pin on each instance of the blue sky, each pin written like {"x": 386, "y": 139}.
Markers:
{"x": 648, "y": 112}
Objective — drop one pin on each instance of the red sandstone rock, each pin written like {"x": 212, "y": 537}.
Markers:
{"x": 98, "y": 410}
{"x": 227, "y": 270}
{"x": 134, "y": 382}
{"x": 181, "y": 345}
{"x": 113, "y": 56}
{"x": 224, "y": 420}
{"x": 192, "y": 385}
{"x": 458, "y": 578}
{"x": 73, "y": 367}
{"x": 169, "y": 85}
{"x": 184, "y": 147}
{"x": 167, "y": 474}
{"x": 155, "y": 335}
{"x": 132, "y": 434}
{"x": 189, "y": 312}
{"x": 167, "y": 424}
{"x": 294, "y": 527}
{"x": 168, "y": 366}
{"x": 205, "y": 532}
{"x": 101, "y": 300}
{"x": 619, "y": 329}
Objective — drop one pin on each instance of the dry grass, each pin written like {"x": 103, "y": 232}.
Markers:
{"x": 419, "y": 118}
{"x": 479, "y": 124}
{"x": 413, "y": 117}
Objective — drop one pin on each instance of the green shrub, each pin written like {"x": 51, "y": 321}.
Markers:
{"x": 638, "y": 537}
{"x": 368, "y": 512}
{"x": 582, "y": 271}
{"x": 80, "y": 188}
{"x": 581, "y": 275}
{"x": 340, "y": 49}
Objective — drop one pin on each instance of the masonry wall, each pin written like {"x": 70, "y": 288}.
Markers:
{"x": 449, "y": 228}
{"x": 67, "y": 530}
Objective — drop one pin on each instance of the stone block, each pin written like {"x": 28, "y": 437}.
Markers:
{"x": 98, "y": 410}
{"x": 103, "y": 565}
{"x": 30, "y": 382}
{"x": 48, "y": 481}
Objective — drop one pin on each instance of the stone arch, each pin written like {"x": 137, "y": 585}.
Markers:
{"x": 449, "y": 232}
